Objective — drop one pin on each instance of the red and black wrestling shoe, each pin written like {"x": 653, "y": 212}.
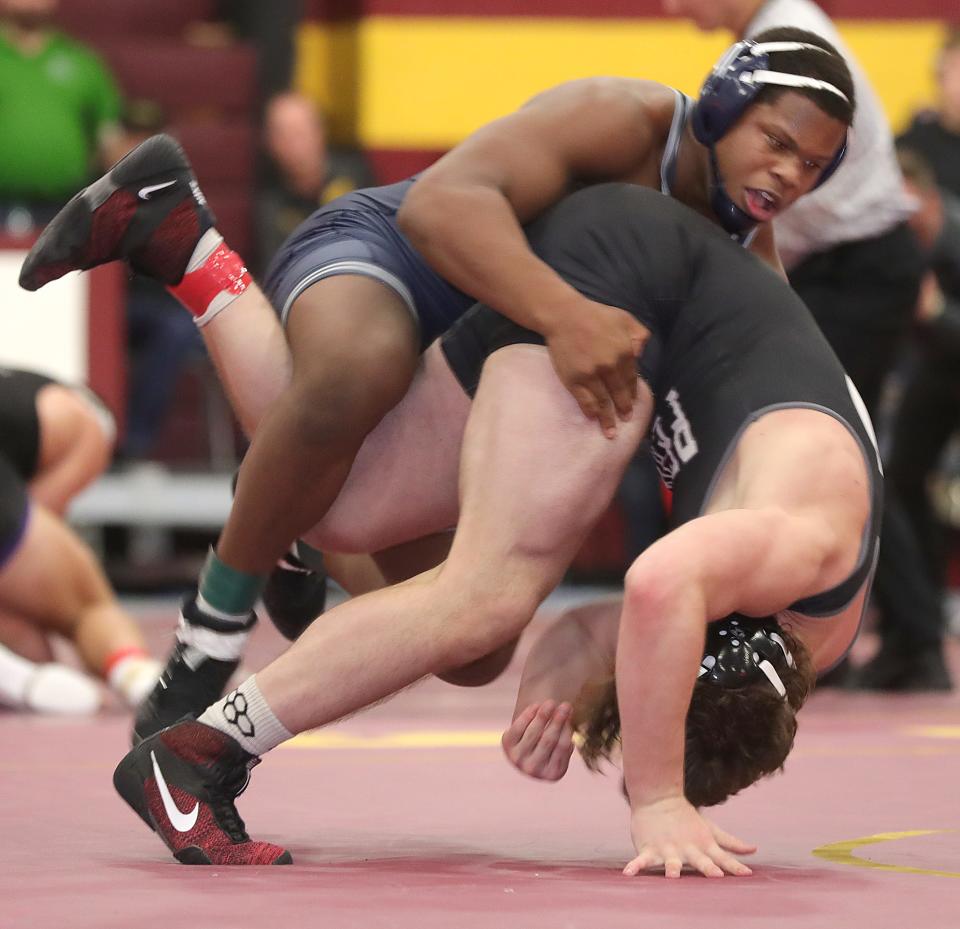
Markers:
{"x": 147, "y": 209}
{"x": 182, "y": 782}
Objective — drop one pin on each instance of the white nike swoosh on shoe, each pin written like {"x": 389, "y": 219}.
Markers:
{"x": 145, "y": 192}
{"x": 182, "y": 822}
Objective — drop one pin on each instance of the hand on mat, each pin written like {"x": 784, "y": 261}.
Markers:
{"x": 594, "y": 352}
{"x": 539, "y": 742}
{"x": 671, "y": 833}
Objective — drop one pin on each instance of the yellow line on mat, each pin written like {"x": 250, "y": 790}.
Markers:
{"x": 426, "y": 739}
{"x": 936, "y": 732}
{"x": 842, "y": 853}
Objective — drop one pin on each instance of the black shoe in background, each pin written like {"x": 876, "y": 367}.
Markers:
{"x": 926, "y": 672}
{"x": 295, "y": 595}
{"x": 895, "y": 669}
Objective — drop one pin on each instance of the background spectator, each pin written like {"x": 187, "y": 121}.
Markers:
{"x": 935, "y": 133}
{"x": 911, "y": 652}
{"x": 60, "y": 114}
{"x": 302, "y": 170}
{"x": 64, "y": 122}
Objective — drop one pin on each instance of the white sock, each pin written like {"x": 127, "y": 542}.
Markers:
{"x": 203, "y": 249}
{"x": 45, "y": 688}
{"x": 15, "y": 674}
{"x": 133, "y": 678}
{"x": 245, "y": 716}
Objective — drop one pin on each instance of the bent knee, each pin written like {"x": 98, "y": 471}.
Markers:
{"x": 483, "y": 671}
{"x": 71, "y": 425}
{"x": 483, "y": 634}
{"x": 349, "y": 399}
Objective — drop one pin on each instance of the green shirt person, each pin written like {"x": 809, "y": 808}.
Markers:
{"x": 59, "y": 107}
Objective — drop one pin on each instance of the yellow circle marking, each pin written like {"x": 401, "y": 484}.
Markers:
{"x": 842, "y": 853}
{"x": 478, "y": 738}
{"x": 936, "y": 732}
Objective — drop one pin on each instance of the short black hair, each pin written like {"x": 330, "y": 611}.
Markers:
{"x": 827, "y": 65}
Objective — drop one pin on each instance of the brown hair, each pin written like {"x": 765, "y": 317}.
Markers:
{"x": 733, "y": 736}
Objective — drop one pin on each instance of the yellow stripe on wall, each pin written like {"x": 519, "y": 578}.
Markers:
{"x": 328, "y": 69}
{"x": 426, "y": 82}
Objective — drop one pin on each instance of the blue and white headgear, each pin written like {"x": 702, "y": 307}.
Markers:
{"x": 727, "y": 92}
{"x": 740, "y": 650}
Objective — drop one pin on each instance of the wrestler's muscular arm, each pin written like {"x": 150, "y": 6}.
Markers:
{"x": 752, "y": 561}
{"x": 465, "y": 215}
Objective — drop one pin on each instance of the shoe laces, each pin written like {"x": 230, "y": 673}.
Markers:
{"x": 225, "y": 784}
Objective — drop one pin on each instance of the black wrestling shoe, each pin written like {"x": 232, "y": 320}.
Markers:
{"x": 294, "y": 596}
{"x": 926, "y": 672}
{"x": 182, "y": 782}
{"x": 883, "y": 670}
{"x": 896, "y": 670}
{"x": 191, "y": 680}
{"x": 147, "y": 209}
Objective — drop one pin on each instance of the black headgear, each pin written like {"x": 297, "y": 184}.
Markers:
{"x": 740, "y": 650}
{"x": 729, "y": 89}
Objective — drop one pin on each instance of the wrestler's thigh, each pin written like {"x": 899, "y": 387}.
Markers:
{"x": 52, "y": 576}
{"x": 403, "y": 482}
{"x": 535, "y": 473}
{"x": 354, "y": 346}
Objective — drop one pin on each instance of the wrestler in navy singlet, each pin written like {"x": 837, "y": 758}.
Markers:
{"x": 729, "y": 342}
{"x": 358, "y": 234}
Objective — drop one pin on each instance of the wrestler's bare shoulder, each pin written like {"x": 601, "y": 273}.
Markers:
{"x": 805, "y": 440}
{"x": 649, "y": 102}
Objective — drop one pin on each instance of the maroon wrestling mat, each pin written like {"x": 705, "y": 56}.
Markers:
{"x": 408, "y": 816}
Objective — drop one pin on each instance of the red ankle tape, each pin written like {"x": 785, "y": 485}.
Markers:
{"x": 223, "y": 273}
{"x": 114, "y": 658}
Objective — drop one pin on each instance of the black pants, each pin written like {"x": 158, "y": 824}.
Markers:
{"x": 863, "y": 295}
{"x": 929, "y": 414}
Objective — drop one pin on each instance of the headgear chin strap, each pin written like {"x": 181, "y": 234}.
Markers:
{"x": 734, "y": 220}
{"x": 740, "y": 651}
{"x": 731, "y": 87}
